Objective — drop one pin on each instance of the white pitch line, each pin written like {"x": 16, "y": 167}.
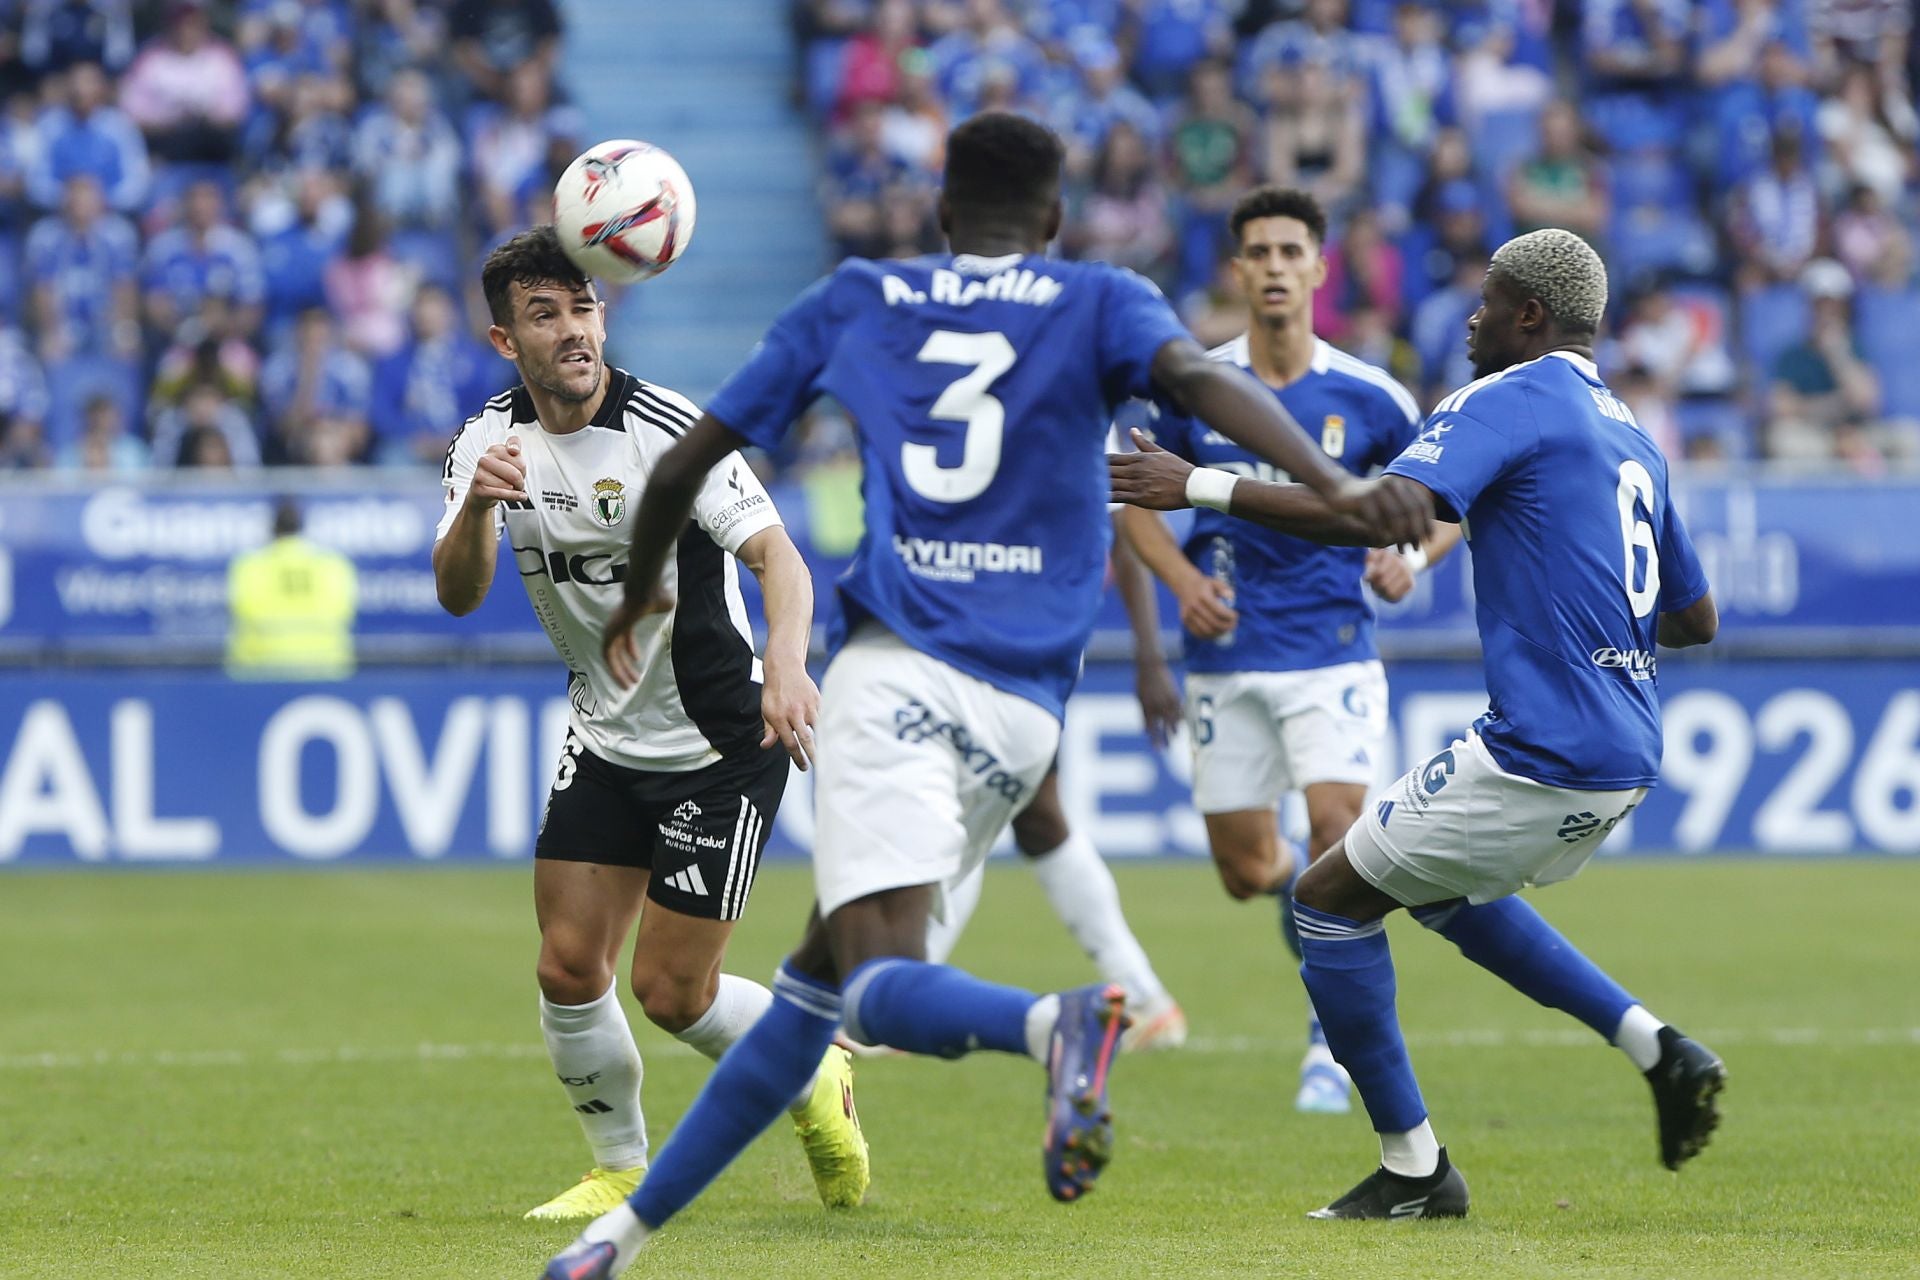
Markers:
{"x": 1461, "y": 1038}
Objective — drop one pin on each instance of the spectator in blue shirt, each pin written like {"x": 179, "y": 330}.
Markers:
{"x": 430, "y": 382}
{"x": 316, "y": 394}
{"x": 861, "y": 176}
{"x": 88, "y": 135}
{"x": 1777, "y": 223}
{"x": 1320, "y": 38}
{"x": 276, "y": 53}
{"x": 1769, "y": 95}
{"x": 513, "y": 145}
{"x": 1412, "y": 93}
{"x": 203, "y": 257}
{"x": 82, "y": 270}
{"x": 1171, "y": 37}
{"x": 57, "y": 34}
{"x": 312, "y": 133}
{"x": 410, "y": 156}
{"x": 1101, "y": 98}
{"x": 989, "y": 45}
{"x": 293, "y": 259}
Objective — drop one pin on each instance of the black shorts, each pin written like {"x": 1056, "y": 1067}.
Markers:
{"x": 700, "y": 833}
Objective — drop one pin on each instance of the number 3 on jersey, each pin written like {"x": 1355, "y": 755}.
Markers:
{"x": 965, "y": 400}
{"x": 1636, "y": 490}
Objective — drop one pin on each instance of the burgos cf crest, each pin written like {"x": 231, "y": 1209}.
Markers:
{"x": 1333, "y": 435}
{"x": 609, "y": 501}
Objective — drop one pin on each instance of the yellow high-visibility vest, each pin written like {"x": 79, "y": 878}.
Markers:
{"x": 291, "y": 605}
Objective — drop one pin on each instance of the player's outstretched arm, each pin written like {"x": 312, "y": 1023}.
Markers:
{"x": 1240, "y": 409}
{"x": 665, "y": 506}
{"x": 789, "y": 701}
{"x": 1161, "y": 481}
{"x": 463, "y": 560}
{"x": 1153, "y": 681}
{"x": 1698, "y": 623}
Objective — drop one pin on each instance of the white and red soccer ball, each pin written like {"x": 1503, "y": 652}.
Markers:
{"x": 624, "y": 211}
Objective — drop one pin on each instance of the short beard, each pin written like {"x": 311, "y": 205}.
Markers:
{"x": 573, "y": 397}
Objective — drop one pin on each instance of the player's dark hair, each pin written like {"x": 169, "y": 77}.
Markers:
{"x": 1279, "y": 202}
{"x": 286, "y": 517}
{"x": 1001, "y": 162}
{"x": 530, "y": 258}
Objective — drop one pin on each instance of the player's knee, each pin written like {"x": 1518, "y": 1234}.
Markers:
{"x": 572, "y": 979}
{"x": 1315, "y": 889}
{"x": 673, "y": 1002}
{"x": 1037, "y": 831}
{"x": 1245, "y": 877}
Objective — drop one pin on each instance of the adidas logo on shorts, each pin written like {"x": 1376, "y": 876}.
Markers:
{"x": 690, "y": 881}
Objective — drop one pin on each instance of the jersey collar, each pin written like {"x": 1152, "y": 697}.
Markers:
{"x": 611, "y": 413}
{"x": 1587, "y": 368}
{"x": 1240, "y": 351}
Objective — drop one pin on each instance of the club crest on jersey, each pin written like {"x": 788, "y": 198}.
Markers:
{"x": 609, "y": 501}
{"x": 1333, "y": 435}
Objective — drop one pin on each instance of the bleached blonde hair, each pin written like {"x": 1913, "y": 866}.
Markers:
{"x": 1561, "y": 270}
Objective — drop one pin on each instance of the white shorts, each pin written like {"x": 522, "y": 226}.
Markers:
{"x": 1259, "y": 734}
{"x": 1460, "y": 826}
{"x": 920, "y": 768}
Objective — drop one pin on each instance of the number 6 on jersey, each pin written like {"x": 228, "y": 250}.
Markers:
{"x": 965, "y": 400}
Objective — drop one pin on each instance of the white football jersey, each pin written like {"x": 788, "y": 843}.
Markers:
{"x": 698, "y": 696}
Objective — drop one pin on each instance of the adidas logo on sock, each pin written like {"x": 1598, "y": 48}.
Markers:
{"x": 688, "y": 881}
{"x": 594, "y": 1107}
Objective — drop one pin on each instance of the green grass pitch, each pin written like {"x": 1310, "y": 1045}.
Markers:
{"x": 338, "y": 1074}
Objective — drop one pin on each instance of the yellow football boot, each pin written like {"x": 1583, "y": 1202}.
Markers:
{"x": 596, "y": 1193}
{"x": 829, "y": 1130}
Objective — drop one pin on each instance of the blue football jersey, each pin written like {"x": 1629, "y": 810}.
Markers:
{"x": 981, "y": 389}
{"x": 1577, "y": 550}
{"x": 1302, "y": 605}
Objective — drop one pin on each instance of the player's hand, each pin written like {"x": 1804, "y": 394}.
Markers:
{"x": 1206, "y": 606}
{"x": 616, "y": 643}
{"x": 1159, "y": 699}
{"x": 1389, "y": 574}
{"x": 1151, "y": 478}
{"x": 790, "y": 706}
{"x": 500, "y": 475}
{"x": 1399, "y": 514}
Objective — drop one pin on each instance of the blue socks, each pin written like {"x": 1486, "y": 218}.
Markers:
{"x": 934, "y": 1009}
{"x": 1349, "y": 973}
{"x": 1508, "y": 939}
{"x": 750, "y": 1088}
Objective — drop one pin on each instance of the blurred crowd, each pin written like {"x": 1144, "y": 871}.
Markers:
{"x": 245, "y": 233}
{"x": 1746, "y": 168}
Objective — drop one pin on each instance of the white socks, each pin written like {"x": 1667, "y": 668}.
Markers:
{"x": 1040, "y": 1022}
{"x": 624, "y": 1229}
{"x": 1413, "y": 1154}
{"x": 1638, "y": 1037}
{"x": 736, "y": 1006}
{"x": 1084, "y": 896}
{"x": 599, "y": 1066}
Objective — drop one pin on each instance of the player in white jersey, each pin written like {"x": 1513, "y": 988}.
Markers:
{"x": 668, "y": 786}
{"x": 1285, "y": 690}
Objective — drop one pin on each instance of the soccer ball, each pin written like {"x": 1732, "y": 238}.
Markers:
{"x": 624, "y": 211}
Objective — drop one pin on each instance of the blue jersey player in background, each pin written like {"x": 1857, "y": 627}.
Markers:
{"x": 982, "y": 384}
{"x": 1285, "y": 691}
{"x": 1581, "y": 566}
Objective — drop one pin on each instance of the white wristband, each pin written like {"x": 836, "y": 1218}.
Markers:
{"x": 1211, "y": 487}
{"x": 1416, "y": 560}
